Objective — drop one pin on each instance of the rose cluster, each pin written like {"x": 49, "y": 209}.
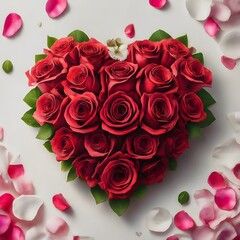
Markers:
{"x": 119, "y": 121}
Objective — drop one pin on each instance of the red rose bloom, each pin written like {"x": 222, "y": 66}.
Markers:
{"x": 191, "y": 75}
{"x": 155, "y": 78}
{"x": 159, "y": 113}
{"x": 191, "y": 107}
{"x": 82, "y": 113}
{"x": 67, "y": 144}
{"x": 118, "y": 175}
{"x": 119, "y": 114}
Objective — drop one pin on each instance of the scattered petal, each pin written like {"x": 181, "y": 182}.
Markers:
{"x": 234, "y": 5}
{"x": 174, "y": 237}
{"x": 207, "y": 213}
{"x": 159, "y": 220}
{"x": 15, "y": 171}
{"x": 55, "y": 8}
{"x": 60, "y": 202}
{"x": 158, "y": 3}
{"x": 6, "y": 201}
{"x": 1, "y": 133}
{"x": 16, "y": 233}
{"x": 225, "y": 231}
{"x": 35, "y": 233}
{"x": 226, "y": 198}
{"x": 183, "y": 221}
{"x": 130, "y": 31}
{"x": 236, "y": 171}
{"x": 12, "y": 25}
{"x": 203, "y": 232}
{"x": 26, "y": 207}
{"x": 56, "y": 225}
{"x": 5, "y": 222}
{"x": 203, "y": 197}
{"x": 211, "y": 27}
{"x": 216, "y": 180}
{"x": 234, "y": 119}
{"x": 229, "y": 63}
{"x": 23, "y": 185}
{"x": 220, "y": 12}
{"x": 5, "y": 159}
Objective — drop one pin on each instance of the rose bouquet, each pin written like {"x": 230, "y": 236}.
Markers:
{"x": 118, "y": 125}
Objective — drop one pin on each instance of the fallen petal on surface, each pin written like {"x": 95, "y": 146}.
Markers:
{"x": 211, "y": 27}
{"x": 55, "y": 8}
{"x": 234, "y": 119}
{"x": 12, "y": 25}
{"x": 203, "y": 197}
{"x": 234, "y": 5}
{"x": 1, "y": 133}
{"x": 226, "y": 198}
{"x": 225, "y": 231}
{"x": 35, "y": 233}
{"x": 60, "y": 202}
{"x": 23, "y": 185}
{"x": 6, "y": 201}
{"x": 207, "y": 213}
{"x": 220, "y": 12}
{"x": 5, "y": 222}
{"x": 183, "y": 221}
{"x": 4, "y": 162}
{"x": 203, "y": 232}
{"x": 216, "y": 180}
{"x": 229, "y": 63}
{"x": 56, "y": 225}
{"x": 236, "y": 171}
{"x": 158, "y": 3}
{"x": 15, "y": 171}
{"x": 130, "y": 31}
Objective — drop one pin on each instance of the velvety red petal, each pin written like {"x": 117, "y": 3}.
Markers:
{"x": 158, "y": 3}
{"x": 229, "y": 63}
{"x": 55, "y": 8}
{"x": 60, "y": 202}
{"x": 216, "y": 180}
{"x": 183, "y": 221}
{"x": 12, "y": 25}
{"x": 15, "y": 171}
{"x": 6, "y": 201}
{"x": 130, "y": 31}
{"x": 226, "y": 198}
{"x": 236, "y": 171}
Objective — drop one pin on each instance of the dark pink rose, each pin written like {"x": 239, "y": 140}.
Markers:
{"x": 99, "y": 143}
{"x": 159, "y": 113}
{"x": 67, "y": 144}
{"x": 82, "y": 113}
{"x": 144, "y": 52}
{"x": 119, "y": 114}
{"x": 155, "y": 78}
{"x": 118, "y": 175}
{"x": 191, "y": 75}
{"x": 141, "y": 145}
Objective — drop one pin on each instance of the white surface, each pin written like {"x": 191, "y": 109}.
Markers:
{"x": 104, "y": 19}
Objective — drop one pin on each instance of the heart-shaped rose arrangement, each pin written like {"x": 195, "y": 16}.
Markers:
{"x": 118, "y": 125}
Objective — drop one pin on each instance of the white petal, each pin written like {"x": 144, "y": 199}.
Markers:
{"x": 199, "y": 9}
{"x": 203, "y": 197}
{"x": 220, "y": 12}
{"x": 4, "y": 162}
{"x": 55, "y": 225}
{"x": 159, "y": 220}
{"x": 234, "y": 5}
{"x": 234, "y": 119}
{"x": 23, "y": 185}
{"x": 230, "y": 45}
{"x": 35, "y": 233}
{"x": 26, "y": 207}
{"x": 202, "y": 232}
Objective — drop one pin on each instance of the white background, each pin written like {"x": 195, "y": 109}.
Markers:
{"x": 105, "y": 19}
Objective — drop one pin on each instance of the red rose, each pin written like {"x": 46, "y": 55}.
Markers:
{"x": 67, "y": 144}
{"x": 153, "y": 171}
{"x": 191, "y": 107}
{"x": 119, "y": 114}
{"x": 155, "y": 78}
{"x": 99, "y": 143}
{"x": 118, "y": 175}
{"x": 118, "y": 76}
{"x": 85, "y": 167}
{"x": 159, "y": 113}
{"x": 82, "y": 113}
{"x": 141, "y": 145}
{"x": 47, "y": 73}
{"x": 144, "y": 52}
{"x": 191, "y": 74}
{"x": 172, "y": 49}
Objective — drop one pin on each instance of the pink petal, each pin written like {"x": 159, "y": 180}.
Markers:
{"x": 225, "y": 231}
{"x": 14, "y": 233}
{"x": 203, "y": 232}
{"x": 56, "y": 225}
{"x": 55, "y": 8}
{"x": 130, "y": 31}
{"x": 5, "y": 160}
{"x": 172, "y": 238}
{"x": 12, "y": 25}
{"x": 229, "y": 63}
{"x": 1, "y": 133}
{"x": 236, "y": 171}
{"x": 6, "y": 201}
{"x": 226, "y": 198}
{"x": 234, "y": 5}
{"x": 23, "y": 185}
{"x": 203, "y": 197}
{"x": 183, "y": 221}
{"x": 216, "y": 180}
{"x": 5, "y": 222}
{"x": 158, "y": 3}
{"x": 15, "y": 171}
{"x": 211, "y": 27}
{"x": 60, "y": 202}
{"x": 207, "y": 213}
{"x": 220, "y": 12}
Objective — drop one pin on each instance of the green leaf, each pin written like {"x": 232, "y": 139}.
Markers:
{"x": 71, "y": 175}
{"x": 183, "y": 39}
{"x": 29, "y": 120}
{"x": 119, "y": 206}
{"x": 140, "y": 191}
{"x": 39, "y": 57}
{"x": 209, "y": 120}
{"x": 45, "y": 132}
{"x": 48, "y": 146}
{"x": 183, "y": 198}
{"x": 199, "y": 56}
{"x": 98, "y": 194}
{"x": 51, "y": 41}
{"x": 31, "y": 98}
{"x": 172, "y": 164}
{"x": 79, "y": 36}
{"x": 206, "y": 98}
{"x": 7, "y": 66}
{"x": 66, "y": 165}
{"x": 194, "y": 130}
{"x": 159, "y": 35}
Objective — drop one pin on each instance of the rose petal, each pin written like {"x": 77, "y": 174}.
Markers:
{"x": 15, "y": 171}
{"x": 5, "y": 222}
{"x": 211, "y": 27}
{"x": 56, "y": 225}
{"x": 35, "y": 233}
{"x": 4, "y": 162}
{"x": 207, "y": 213}
{"x": 174, "y": 237}
{"x": 12, "y": 25}
{"x": 234, "y": 119}
{"x": 55, "y": 8}
{"x": 159, "y": 220}
{"x": 225, "y": 231}
{"x": 60, "y": 202}
{"x": 26, "y": 207}
{"x": 16, "y": 233}
{"x": 226, "y": 198}
{"x": 183, "y": 221}
{"x": 236, "y": 223}
{"x": 130, "y": 31}
{"x": 199, "y": 9}
{"x": 220, "y": 12}
{"x": 230, "y": 45}
{"x": 6, "y": 201}
{"x": 234, "y": 5}
{"x": 1, "y": 133}
{"x": 203, "y": 232}
{"x": 179, "y": 237}
{"x": 229, "y": 63}
{"x": 203, "y": 197}
{"x": 23, "y": 185}
{"x": 216, "y": 180}
{"x": 158, "y": 3}
{"x": 236, "y": 171}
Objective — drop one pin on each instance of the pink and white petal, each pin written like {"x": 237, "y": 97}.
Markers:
{"x": 130, "y": 31}
{"x": 23, "y": 185}
{"x": 234, "y": 119}
{"x": 226, "y": 198}
{"x": 174, "y": 237}
{"x": 179, "y": 236}
{"x": 26, "y": 207}
{"x": 159, "y": 220}
{"x": 35, "y": 233}
{"x": 12, "y": 25}
{"x": 220, "y": 12}
{"x": 55, "y": 8}
{"x": 216, "y": 180}
{"x": 229, "y": 63}
{"x": 1, "y": 133}
{"x": 202, "y": 232}
{"x": 203, "y": 197}
{"x": 200, "y": 9}
{"x": 4, "y": 162}
{"x": 15, "y": 171}
{"x": 56, "y": 225}
{"x": 60, "y": 202}
{"x": 16, "y": 233}
{"x": 183, "y": 221}
{"x": 158, "y": 3}
{"x": 236, "y": 223}
{"x": 234, "y": 5}
{"x": 6, "y": 201}
{"x": 225, "y": 231}
{"x": 207, "y": 213}
{"x": 5, "y": 222}
{"x": 211, "y": 27}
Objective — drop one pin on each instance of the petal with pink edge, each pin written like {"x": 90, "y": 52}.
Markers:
{"x": 183, "y": 221}
{"x": 234, "y": 5}
{"x": 55, "y": 8}
{"x": 60, "y": 202}
{"x": 229, "y": 63}
{"x": 211, "y": 27}
{"x": 216, "y": 180}
{"x": 6, "y": 201}
{"x": 35, "y": 233}
{"x": 226, "y": 198}
{"x": 130, "y": 31}
{"x": 158, "y": 3}
{"x": 203, "y": 197}
{"x": 56, "y": 225}
{"x": 236, "y": 171}
{"x": 16, "y": 233}
{"x": 4, "y": 162}
{"x": 220, "y": 12}
{"x": 234, "y": 119}
{"x": 5, "y": 222}
{"x": 15, "y": 171}
{"x": 12, "y": 25}
{"x": 23, "y": 185}
{"x": 1, "y": 133}
{"x": 236, "y": 223}
{"x": 207, "y": 213}
{"x": 225, "y": 231}
{"x": 174, "y": 237}
{"x": 203, "y": 232}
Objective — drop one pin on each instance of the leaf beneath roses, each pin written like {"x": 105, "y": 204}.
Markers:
{"x": 71, "y": 175}
{"x": 29, "y": 120}
{"x": 194, "y": 130}
{"x": 48, "y": 146}
{"x": 98, "y": 194}
{"x": 172, "y": 164}
{"x": 51, "y": 41}
{"x": 140, "y": 191}
{"x": 31, "y": 98}
{"x": 183, "y": 39}
{"x": 119, "y": 206}
{"x": 209, "y": 120}
{"x": 159, "y": 35}
{"x": 199, "y": 56}
{"x": 66, "y": 165}
{"x": 45, "y": 132}
{"x": 39, "y": 57}
{"x": 79, "y": 36}
{"x": 206, "y": 98}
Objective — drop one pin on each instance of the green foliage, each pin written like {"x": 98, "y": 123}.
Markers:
{"x": 199, "y": 56}
{"x": 51, "y": 41}
{"x": 66, "y": 165}
{"x": 7, "y": 66}
{"x": 71, "y": 175}
{"x": 183, "y": 39}
{"x": 48, "y": 146}
{"x": 119, "y": 206}
{"x": 206, "y": 98}
{"x": 29, "y": 119}
{"x": 79, "y": 36}
{"x": 159, "y": 35}
{"x": 98, "y": 194}
{"x": 172, "y": 164}
{"x": 183, "y": 198}
{"x": 31, "y": 98}
{"x": 45, "y": 132}
{"x": 140, "y": 191}
{"x": 39, "y": 57}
